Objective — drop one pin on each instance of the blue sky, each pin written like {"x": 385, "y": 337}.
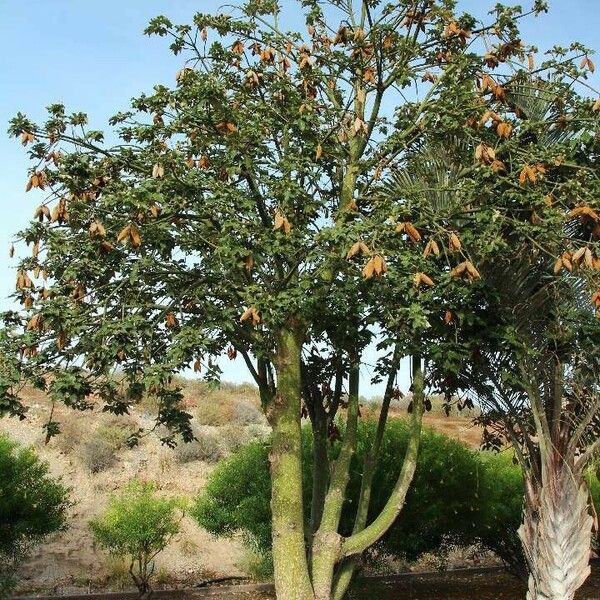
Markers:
{"x": 92, "y": 56}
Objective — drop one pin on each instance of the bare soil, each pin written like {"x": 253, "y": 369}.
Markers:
{"x": 462, "y": 584}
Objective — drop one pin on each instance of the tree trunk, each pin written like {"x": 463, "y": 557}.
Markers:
{"x": 291, "y": 574}
{"x": 347, "y": 568}
{"x": 557, "y": 532}
{"x": 359, "y": 541}
{"x": 327, "y": 541}
{"x": 294, "y": 578}
{"x": 320, "y": 473}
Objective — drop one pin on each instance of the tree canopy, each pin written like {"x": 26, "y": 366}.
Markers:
{"x": 249, "y": 194}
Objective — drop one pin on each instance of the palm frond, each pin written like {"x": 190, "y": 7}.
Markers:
{"x": 430, "y": 175}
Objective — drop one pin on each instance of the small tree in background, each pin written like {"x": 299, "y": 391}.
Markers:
{"x": 32, "y": 505}
{"x": 137, "y": 525}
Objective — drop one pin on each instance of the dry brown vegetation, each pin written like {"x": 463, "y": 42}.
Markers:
{"x": 457, "y": 425}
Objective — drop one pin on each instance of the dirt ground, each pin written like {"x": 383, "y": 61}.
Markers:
{"x": 480, "y": 584}
{"x": 459, "y": 585}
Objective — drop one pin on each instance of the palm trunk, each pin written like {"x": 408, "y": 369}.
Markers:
{"x": 557, "y": 532}
{"x": 291, "y": 573}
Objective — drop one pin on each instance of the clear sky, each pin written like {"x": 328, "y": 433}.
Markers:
{"x": 92, "y": 56}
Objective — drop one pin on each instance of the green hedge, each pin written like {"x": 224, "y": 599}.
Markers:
{"x": 458, "y": 496}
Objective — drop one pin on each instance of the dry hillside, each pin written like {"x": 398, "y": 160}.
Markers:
{"x": 91, "y": 456}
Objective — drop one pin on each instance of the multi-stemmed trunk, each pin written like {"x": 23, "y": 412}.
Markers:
{"x": 327, "y": 542}
{"x": 308, "y": 560}
{"x": 347, "y": 568}
{"x": 557, "y": 531}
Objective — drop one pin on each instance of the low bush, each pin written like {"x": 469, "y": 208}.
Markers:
{"x": 206, "y": 447}
{"x": 236, "y": 498}
{"x": 71, "y": 433}
{"x": 257, "y": 564}
{"x": 235, "y": 437}
{"x": 99, "y": 451}
{"x": 75, "y": 432}
{"x": 137, "y": 525}
{"x": 457, "y": 498}
{"x": 441, "y": 504}
{"x": 224, "y": 404}
{"x": 98, "y": 454}
{"x": 117, "y": 573}
{"x": 245, "y": 413}
{"x": 501, "y": 509}
{"x": 114, "y": 432}
{"x": 32, "y": 505}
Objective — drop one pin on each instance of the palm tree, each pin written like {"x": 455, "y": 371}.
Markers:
{"x": 531, "y": 345}
{"x": 538, "y": 388}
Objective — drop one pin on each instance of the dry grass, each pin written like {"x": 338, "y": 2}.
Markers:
{"x": 457, "y": 425}
{"x": 224, "y": 405}
{"x": 459, "y": 428}
{"x": 117, "y": 573}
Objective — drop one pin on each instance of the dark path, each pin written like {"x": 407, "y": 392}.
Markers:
{"x": 469, "y": 584}
{"x": 457, "y": 586}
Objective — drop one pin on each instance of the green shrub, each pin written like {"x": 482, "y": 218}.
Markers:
{"x": 32, "y": 505}
{"x": 501, "y": 508}
{"x": 439, "y": 508}
{"x": 257, "y": 564}
{"x": 236, "y": 497}
{"x": 137, "y": 525}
